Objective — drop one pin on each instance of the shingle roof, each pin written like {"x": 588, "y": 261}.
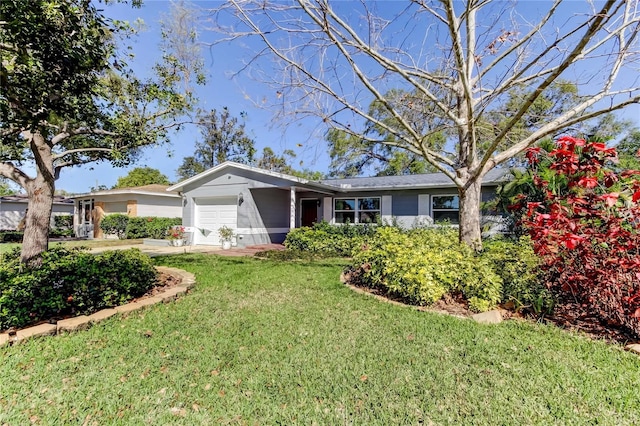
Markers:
{"x": 429, "y": 180}
{"x": 23, "y": 198}
{"x": 154, "y": 189}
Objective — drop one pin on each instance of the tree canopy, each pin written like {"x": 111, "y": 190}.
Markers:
{"x": 269, "y": 160}
{"x": 455, "y": 63}
{"x": 142, "y": 176}
{"x": 224, "y": 139}
{"x": 69, "y": 98}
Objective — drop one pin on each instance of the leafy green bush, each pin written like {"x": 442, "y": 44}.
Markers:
{"x": 518, "y": 266}
{"x": 11, "y": 236}
{"x": 422, "y": 265}
{"x": 16, "y": 236}
{"x": 70, "y": 281}
{"x": 64, "y": 221}
{"x": 329, "y": 240}
{"x": 115, "y": 224}
{"x": 151, "y": 227}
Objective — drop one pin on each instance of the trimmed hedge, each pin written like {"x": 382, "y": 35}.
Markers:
{"x": 16, "y": 236}
{"x": 150, "y": 227}
{"x": 70, "y": 282}
{"x": 115, "y": 224}
{"x": 64, "y": 221}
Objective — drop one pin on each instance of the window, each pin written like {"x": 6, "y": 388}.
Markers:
{"x": 445, "y": 207}
{"x": 357, "y": 210}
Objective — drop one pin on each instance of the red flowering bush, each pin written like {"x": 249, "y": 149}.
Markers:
{"x": 588, "y": 233}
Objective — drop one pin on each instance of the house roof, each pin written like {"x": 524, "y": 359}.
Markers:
{"x": 231, "y": 165}
{"x": 24, "y": 198}
{"x": 154, "y": 189}
{"x": 428, "y": 180}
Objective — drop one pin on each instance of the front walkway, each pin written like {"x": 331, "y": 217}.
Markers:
{"x": 169, "y": 250}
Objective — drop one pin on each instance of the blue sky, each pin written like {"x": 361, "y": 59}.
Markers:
{"x": 219, "y": 92}
{"x": 305, "y": 138}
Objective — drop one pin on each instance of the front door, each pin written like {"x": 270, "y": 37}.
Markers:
{"x": 309, "y": 213}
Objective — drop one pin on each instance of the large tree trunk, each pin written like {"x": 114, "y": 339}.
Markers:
{"x": 40, "y": 191}
{"x": 470, "y": 232}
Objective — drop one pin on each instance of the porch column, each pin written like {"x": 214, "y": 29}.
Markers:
{"x": 292, "y": 208}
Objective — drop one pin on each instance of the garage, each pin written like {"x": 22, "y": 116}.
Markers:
{"x": 211, "y": 214}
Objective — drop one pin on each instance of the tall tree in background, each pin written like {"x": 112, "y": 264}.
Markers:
{"x": 269, "y": 160}
{"x": 466, "y": 58}
{"x": 629, "y": 151}
{"x": 142, "y": 176}
{"x": 68, "y": 98}
{"x": 224, "y": 139}
{"x": 5, "y": 188}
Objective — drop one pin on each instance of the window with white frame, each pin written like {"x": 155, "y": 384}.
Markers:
{"x": 356, "y": 210}
{"x": 445, "y": 208}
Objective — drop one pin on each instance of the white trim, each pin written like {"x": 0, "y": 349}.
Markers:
{"x": 327, "y": 210}
{"x": 423, "y": 204}
{"x": 123, "y": 192}
{"x": 292, "y": 207}
{"x": 230, "y": 164}
{"x": 385, "y": 207}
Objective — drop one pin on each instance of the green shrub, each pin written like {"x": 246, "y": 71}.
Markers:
{"x": 16, "y": 236}
{"x": 329, "y": 240}
{"x": 150, "y": 227}
{"x": 115, "y": 224}
{"x": 11, "y": 236}
{"x": 70, "y": 281}
{"x": 518, "y": 266}
{"x": 64, "y": 221}
{"x": 422, "y": 265}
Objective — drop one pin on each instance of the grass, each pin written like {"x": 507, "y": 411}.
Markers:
{"x": 5, "y": 247}
{"x": 261, "y": 342}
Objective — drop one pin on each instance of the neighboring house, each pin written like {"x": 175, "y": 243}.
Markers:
{"x": 262, "y": 206}
{"x": 147, "y": 200}
{"x": 13, "y": 207}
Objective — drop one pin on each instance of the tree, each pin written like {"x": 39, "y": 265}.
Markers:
{"x": 466, "y": 58}
{"x": 351, "y": 155}
{"x": 629, "y": 151}
{"x": 141, "y": 176}
{"x": 224, "y": 140}
{"x": 68, "y": 98}
{"x": 269, "y": 160}
{"x": 5, "y": 188}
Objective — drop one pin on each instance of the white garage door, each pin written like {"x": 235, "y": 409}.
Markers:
{"x": 211, "y": 214}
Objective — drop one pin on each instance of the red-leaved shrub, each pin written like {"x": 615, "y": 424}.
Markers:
{"x": 588, "y": 233}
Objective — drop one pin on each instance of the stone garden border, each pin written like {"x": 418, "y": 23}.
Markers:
{"x": 491, "y": 317}
{"x": 85, "y": 321}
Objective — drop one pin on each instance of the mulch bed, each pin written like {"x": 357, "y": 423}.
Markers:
{"x": 165, "y": 282}
{"x": 564, "y": 316}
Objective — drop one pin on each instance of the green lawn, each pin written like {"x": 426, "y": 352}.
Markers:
{"x": 285, "y": 343}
